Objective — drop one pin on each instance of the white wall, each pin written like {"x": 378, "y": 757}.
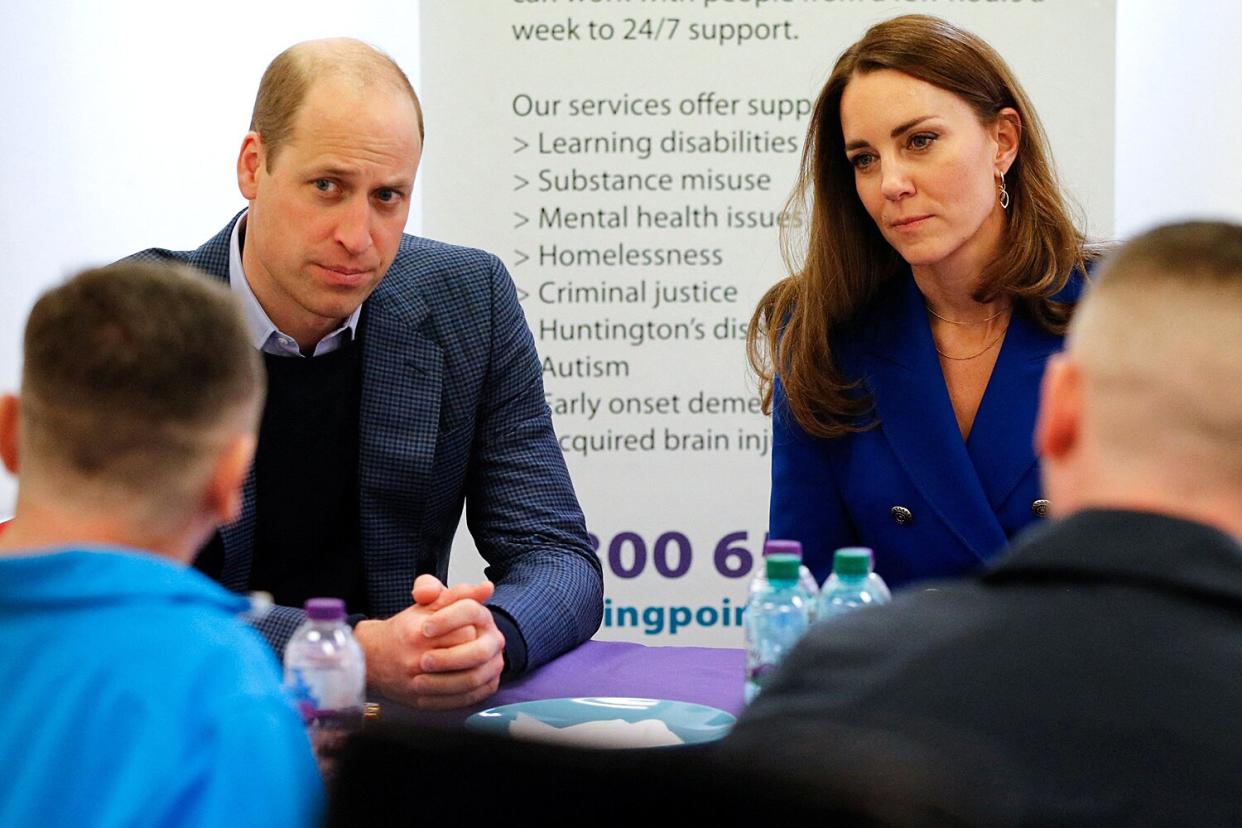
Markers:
{"x": 1179, "y": 112}
{"x": 663, "y": 508}
{"x": 120, "y": 124}
{"x": 121, "y": 121}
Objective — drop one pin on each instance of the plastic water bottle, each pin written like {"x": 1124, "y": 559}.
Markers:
{"x": 852, "y": 584}
{"x": 805, "y": 579}
{"x": 776, "y": 617}
{"x": 326, "y": 675}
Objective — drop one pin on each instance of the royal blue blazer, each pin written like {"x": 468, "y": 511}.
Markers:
{"x": 929, "y": 504}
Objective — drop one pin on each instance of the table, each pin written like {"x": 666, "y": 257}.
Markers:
{"x": 433, "y": 771}
{"x": 705, "y": 675}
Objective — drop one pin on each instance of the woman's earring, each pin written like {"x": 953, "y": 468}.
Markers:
{"x": 1004, "y": 194}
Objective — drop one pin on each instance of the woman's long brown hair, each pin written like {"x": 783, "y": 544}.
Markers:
{"x": 847, "y": 260}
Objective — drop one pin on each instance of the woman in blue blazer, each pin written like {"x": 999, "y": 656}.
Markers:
{"x": 901, "y": 361}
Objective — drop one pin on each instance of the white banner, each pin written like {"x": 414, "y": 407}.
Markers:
{"x": 630, "y": 161}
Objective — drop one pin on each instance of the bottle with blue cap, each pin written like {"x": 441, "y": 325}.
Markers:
{"x": 852, "y": 583}
{"x": 776, "y": 617}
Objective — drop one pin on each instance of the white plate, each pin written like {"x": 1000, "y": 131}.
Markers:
{"x": 606, "y": 722}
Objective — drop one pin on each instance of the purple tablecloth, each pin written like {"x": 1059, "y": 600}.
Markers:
{"x": 706, "y": 675}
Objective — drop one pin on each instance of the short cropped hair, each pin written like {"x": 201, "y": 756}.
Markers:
{"x": 1198, "y": 252}
{"x": 1159, "y": 334}
{"x": 289, "y": 76}
{"x": 131, "y": 373}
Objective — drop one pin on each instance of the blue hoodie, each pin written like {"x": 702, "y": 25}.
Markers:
{"x": 135, "y": 696}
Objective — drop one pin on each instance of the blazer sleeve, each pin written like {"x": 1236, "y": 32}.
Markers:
{"x": 806, "y": 503}
{"x": 520, "y": 503}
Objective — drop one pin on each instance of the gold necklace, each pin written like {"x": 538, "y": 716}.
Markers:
{"x": 966, "y": 324}
{"x": 986, "y": 348}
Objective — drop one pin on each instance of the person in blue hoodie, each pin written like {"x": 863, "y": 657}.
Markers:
{"x": 134, "y": 692}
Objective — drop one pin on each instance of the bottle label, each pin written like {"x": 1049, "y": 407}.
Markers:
{"x": 326, "y": 697}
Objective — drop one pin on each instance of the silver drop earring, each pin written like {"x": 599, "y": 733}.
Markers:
{"x": 1004, "y": 194}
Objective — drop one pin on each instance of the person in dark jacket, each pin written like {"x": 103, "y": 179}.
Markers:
{"x": 1089, "y": 677}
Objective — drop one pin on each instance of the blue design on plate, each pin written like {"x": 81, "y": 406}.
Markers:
{"x": 692, "y": 723}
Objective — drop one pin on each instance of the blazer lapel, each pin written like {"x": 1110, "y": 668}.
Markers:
{"x": 237, "y": 537}
{"x": 916, "y": 417}
{"x": 1001, "y": 438}
{"x": 399, "y": 419}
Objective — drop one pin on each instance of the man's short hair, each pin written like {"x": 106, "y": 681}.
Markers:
{"x": 1160, "y": 334}
{"x": 289, "y": 76}
{"x": 133, "y": 374}
{"x": 1199, "y": 252}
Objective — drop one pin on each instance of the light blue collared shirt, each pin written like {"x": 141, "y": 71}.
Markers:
{"x": 263, "y": 332}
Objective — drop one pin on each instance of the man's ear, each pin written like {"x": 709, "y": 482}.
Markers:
{"x": 1059, "y": 425}
{"x": 224, "y": 489}
{"x": 10, "y": 425}
{"x": 250, "y": 161}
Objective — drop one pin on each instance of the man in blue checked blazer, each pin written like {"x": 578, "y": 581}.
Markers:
{"x": 402, "y": 381}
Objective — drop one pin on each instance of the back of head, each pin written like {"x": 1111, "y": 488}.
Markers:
{"x": 135, "y": 375}
{"x": 1158, "y": 340}
{"x": 139, "y": 404}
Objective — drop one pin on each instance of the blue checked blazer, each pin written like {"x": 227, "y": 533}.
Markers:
{"x": 452, "y": 411}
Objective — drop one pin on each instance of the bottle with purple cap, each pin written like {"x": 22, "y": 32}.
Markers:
{"x": 806, "y": 581}
{"x": 326, "y": 675}
{"x": 852, "y": 583}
